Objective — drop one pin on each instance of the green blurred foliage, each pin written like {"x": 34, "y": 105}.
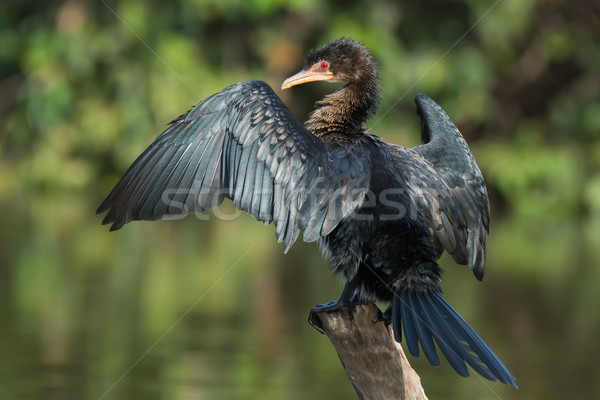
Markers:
{"x": 85, "y": 86}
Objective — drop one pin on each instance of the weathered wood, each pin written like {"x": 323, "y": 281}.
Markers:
{"x": 374, "y": 362}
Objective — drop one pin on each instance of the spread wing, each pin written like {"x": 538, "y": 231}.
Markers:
{"x": 243, "y": 144}
{"x": 454, "y": 197}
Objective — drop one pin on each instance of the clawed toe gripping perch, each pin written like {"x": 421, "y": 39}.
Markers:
{"x": 425, "y": 320}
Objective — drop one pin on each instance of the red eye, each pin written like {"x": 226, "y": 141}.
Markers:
{"x": 324, "y": 65}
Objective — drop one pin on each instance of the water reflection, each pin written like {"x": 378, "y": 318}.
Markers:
{"x": 194, "y": 309}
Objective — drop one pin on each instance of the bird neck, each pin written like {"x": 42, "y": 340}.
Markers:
{"x": 346, "y": 110}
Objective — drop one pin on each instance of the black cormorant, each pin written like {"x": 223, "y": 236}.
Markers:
{"x": 382, "y": 212}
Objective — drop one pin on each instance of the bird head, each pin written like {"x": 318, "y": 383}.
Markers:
{"x": 341, "y": 60}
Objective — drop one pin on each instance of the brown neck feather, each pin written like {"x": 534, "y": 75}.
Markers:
{"x": 346, "y": 110}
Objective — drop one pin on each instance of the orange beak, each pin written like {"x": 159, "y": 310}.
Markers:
{"x": 305, "y": 76}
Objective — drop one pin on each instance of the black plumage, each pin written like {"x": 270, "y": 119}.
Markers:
{"x": 384, "y": 213}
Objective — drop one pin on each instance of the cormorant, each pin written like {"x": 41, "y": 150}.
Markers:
{"x": 383, "y": 213}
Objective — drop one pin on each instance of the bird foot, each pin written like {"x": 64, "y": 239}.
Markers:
{"x": 314, "y": 319}
{"x": 386, "y": 316}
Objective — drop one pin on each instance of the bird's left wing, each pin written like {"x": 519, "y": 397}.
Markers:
{"x": 242, "y": 143}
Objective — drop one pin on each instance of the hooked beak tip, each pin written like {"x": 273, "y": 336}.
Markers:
{"x": 306, "y": 76}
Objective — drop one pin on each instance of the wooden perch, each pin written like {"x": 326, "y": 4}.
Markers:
{"x": 374, "y": 362}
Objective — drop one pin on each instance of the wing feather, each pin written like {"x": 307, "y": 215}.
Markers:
{"x": 244, "y": 144}
{"x": 450, "y": 187}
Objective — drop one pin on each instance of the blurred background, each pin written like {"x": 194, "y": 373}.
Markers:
{"x": 205, "y": 309}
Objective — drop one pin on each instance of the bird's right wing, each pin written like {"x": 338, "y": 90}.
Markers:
{"x": 452, "y": 191}
{"x": 242, "y": 143}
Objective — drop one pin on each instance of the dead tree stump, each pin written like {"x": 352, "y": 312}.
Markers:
{"x": 374, "y": 362}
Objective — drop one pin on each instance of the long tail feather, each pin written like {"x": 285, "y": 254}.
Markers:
{"x": 458, "y": 346}
{"x": 424, "y": 336}
{"x": 428, "y": 318}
